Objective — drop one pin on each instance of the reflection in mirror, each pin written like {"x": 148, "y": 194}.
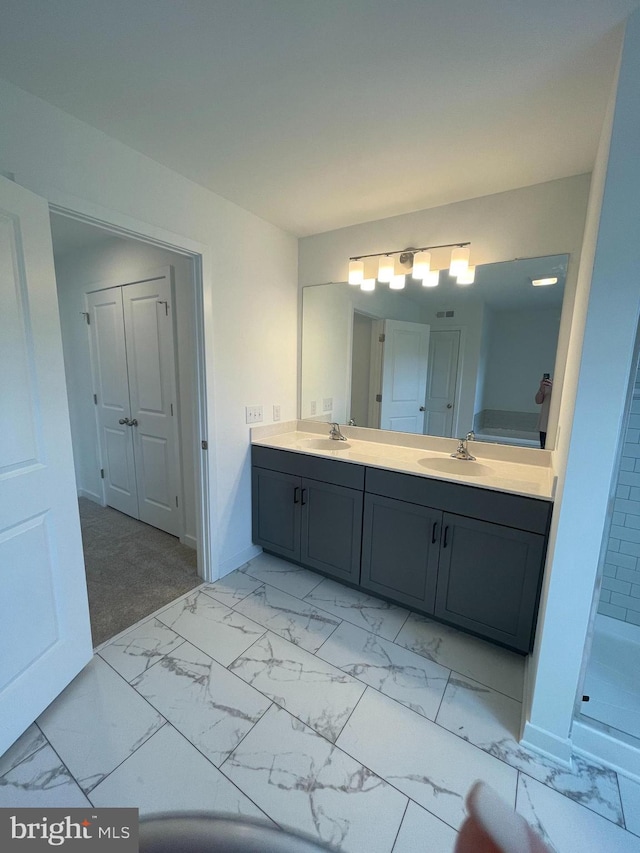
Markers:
{"x": 435, "y": 361}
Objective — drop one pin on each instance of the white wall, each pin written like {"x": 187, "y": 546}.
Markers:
{"x": 113, "y": 262}
{"x": 598, "y": 372}
{"x": 521, "y": 348}
{"x": 250, "y": 315}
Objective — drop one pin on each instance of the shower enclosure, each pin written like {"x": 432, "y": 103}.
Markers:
{"x": 611, "y": 684}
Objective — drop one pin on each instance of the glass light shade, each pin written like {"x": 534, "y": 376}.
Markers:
{"x": 356, "y": 272}
{"x": 468, "y": 276}
{"x": 544, "y": 282}
{"x": 421, "y": 264}
{"x": 368, "y": 284}
{"x": 432, "y": 279}
{"x": 397, "y": 282}
{"x": 385, "y": 269}
{"x": 459, "y": 260}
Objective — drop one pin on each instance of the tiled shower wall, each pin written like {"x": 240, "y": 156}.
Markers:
{"x": 620, "y": 594}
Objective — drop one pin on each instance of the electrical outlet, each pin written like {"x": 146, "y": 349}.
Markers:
{"x": 276, "y": 413}
{"x": 253, "y": 414}
{"x": 327, "y": 404}
{"x": 312, "y": 408}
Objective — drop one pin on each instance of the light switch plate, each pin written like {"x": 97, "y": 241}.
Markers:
{"x": 276, "y": 413}
{"x": 312, "y": 408}
{"x": 327, "y": 404}
{"x": 253, "y": 414}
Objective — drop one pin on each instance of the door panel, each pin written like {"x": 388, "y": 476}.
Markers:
{"x": 109, "y": 366}
{"x": 444, "y": 348}
{"x": 148, "y": 320}
{"x": 404, "y": 376}
{"x": 44, "y": 618}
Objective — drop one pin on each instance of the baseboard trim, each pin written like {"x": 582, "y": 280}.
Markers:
{"x": 603, "y": 747}
{"x": 238, "y": 560}
{"x": 91, "y": 496}
{"x": 546, "y": 743}
{"x": 189, "y": 541}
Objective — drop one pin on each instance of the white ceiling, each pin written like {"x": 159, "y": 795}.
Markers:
{"x": 316, "y": 114}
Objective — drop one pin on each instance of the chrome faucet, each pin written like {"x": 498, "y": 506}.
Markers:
{"x": 463, "y": 451}
{"x": 334, "y": 432}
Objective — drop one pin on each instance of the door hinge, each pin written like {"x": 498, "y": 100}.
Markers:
{"x": 102, "y": 473}
{"x": 171, "y": 409}
{"x": 95, "y": 399}
{"x": 378, "y": 398}
{"x": 381, "y": 338}
{"x": 204, "y": 445}
{"x": 176, "y": 500}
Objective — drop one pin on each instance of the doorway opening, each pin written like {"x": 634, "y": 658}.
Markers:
{"x": 140, "y": 487}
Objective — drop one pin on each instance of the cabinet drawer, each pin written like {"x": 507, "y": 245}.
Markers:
{"x": 498, "y": 507}
{"x": 339, "y": 473}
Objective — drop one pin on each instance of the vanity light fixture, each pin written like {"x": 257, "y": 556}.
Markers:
{"x": 459, "y": 261}
{"x": 543, "y": 282}
{"x": 356, "y": 271}
{"x": 368, "y": 284}
{"x": 417, "y": 262}
{"x": 468, "y": 276}
{"x": 386, "y": 269}
{"x": 432, "y": 279}
{"x": 421, "y": 265}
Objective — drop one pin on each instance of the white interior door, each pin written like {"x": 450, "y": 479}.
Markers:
{"x": 113, "y": 409}
{"x": 404, "y": 376}
{"x": 148, "y": 321}
{"x": 444, "y": 348}
{"x": 134, "y": 375}
{"x": 45, "y": 633}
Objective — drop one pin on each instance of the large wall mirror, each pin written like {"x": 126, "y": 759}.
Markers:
{"x": 436, "y": 361}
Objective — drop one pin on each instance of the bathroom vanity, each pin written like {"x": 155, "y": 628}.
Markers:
{"x": 408, "y": 524}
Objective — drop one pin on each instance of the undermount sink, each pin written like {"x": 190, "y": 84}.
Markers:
{"x": 323, "y": 444}
{"x": 448, "y": 465}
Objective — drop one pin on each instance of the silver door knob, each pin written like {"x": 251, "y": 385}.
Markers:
{"x": 133, "y": 422}
{"x": 422, "y": 409}
{"x": 449, "y": 405}
{"x": 124, "y": 421}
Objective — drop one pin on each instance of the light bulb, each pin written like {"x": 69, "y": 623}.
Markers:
{"x": 468, "y": 276}
{"x": 397, "y": 282}
{"x": 421, "y": 264}
{"x": 385, "y": 269}
{"x": 459, "y": 260}
{"x": 368, "y": 284}
{"x": 432, "y": 279}
{"x": 356, "y": 272}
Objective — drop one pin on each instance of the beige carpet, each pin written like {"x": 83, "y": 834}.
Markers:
{"x": 132, "y": 569}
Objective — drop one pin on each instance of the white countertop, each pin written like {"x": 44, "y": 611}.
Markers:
{"x": 522, "y": 471}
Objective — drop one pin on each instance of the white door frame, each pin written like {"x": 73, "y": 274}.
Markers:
{"x": 122, "y": 225}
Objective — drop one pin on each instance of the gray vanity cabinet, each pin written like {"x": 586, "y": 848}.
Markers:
{"x": 308, "y": 509}
{"x": 489, "y": 578}
{"x": 400, "y": 551}
{"x": 469, "y": 556}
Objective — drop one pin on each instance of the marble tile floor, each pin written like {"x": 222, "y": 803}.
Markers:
{"x": 279, "y": 694}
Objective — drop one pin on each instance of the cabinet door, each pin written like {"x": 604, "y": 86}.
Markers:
{"x": 276, "y": 512}
{"x": 331, "y": 529}
{"x": 489, "y": 579}
{"x": 400, "y": 551}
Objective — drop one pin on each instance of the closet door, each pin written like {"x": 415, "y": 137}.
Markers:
{"x": 149, "y": 334}
{"x": 111, "y": 385}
